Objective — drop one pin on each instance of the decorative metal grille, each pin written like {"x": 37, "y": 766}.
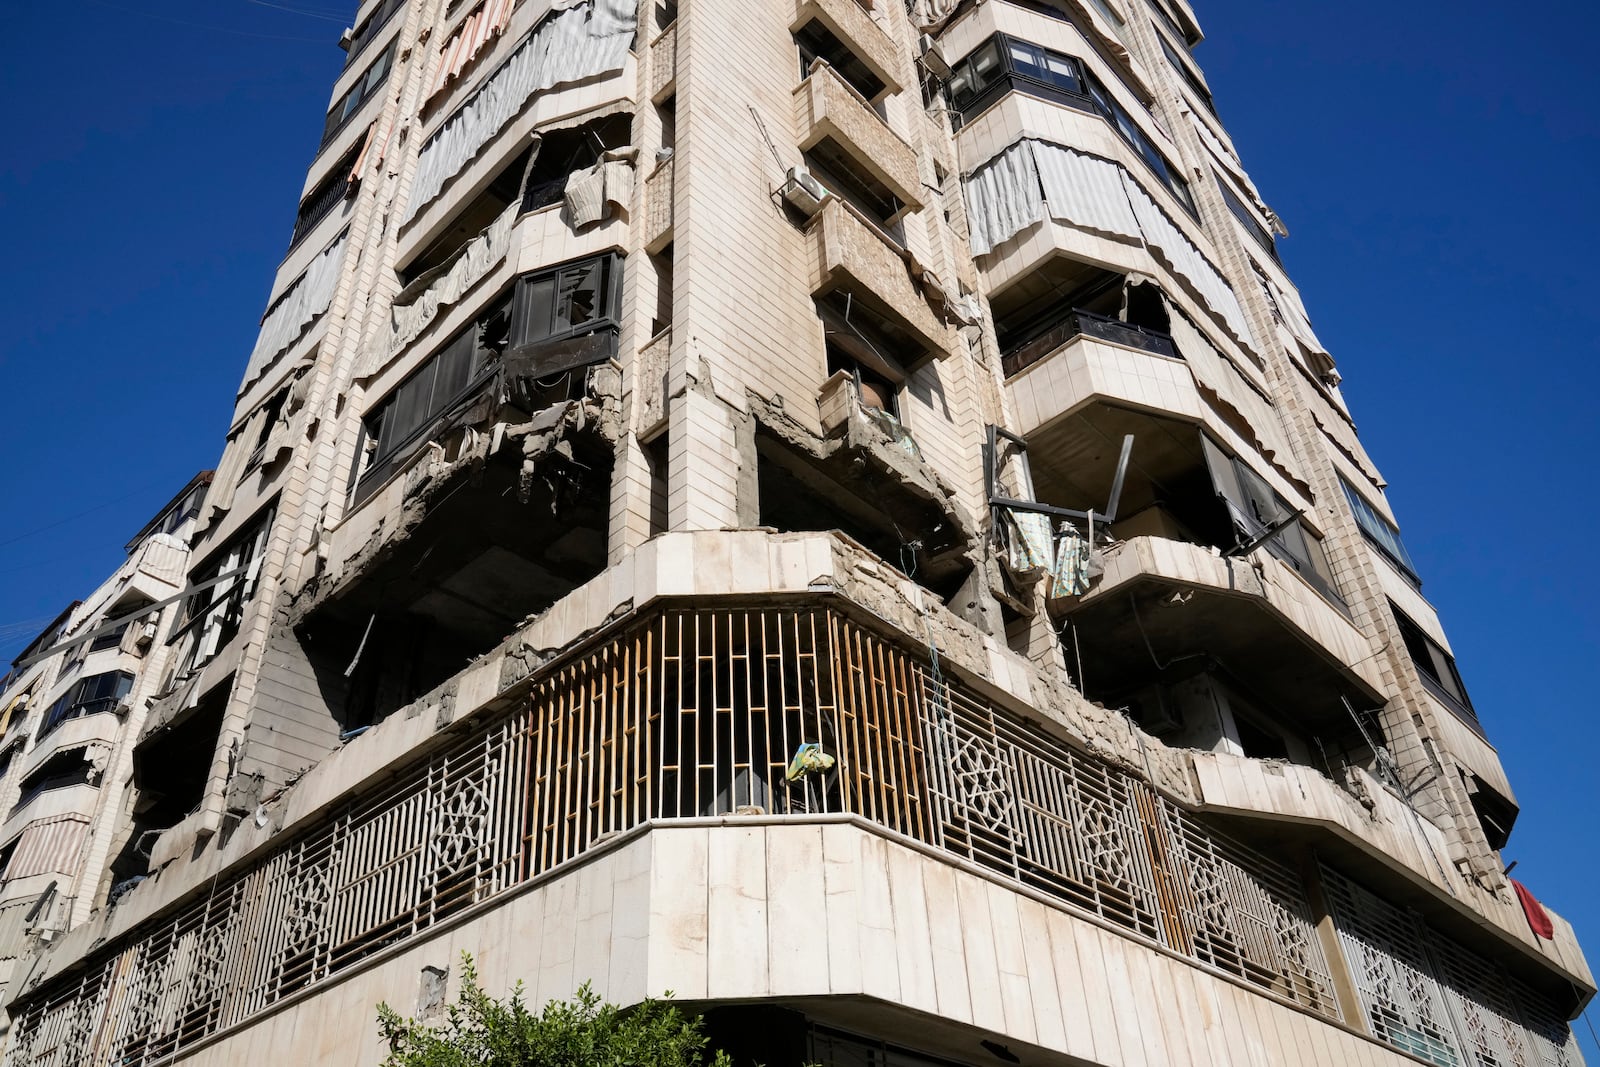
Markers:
{"x": 699, "y": 713}
{"x": 1429, "y": 996}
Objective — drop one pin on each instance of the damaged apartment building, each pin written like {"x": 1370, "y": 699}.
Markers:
{"x": 71, "y": 708}
{"x": 830, "y": 508}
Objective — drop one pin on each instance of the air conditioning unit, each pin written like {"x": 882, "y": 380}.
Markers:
{"x": 147, "y": 635}
{"x": 932, "y": 58}
{"x": 803, "y": 192}
{"x": 347, "y": 38}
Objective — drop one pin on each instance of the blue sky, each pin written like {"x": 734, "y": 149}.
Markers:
{"x": 1436, "y": 163}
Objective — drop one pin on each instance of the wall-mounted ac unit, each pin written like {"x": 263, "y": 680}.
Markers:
{"x": 803, "y": 192}
{"x": 932, "y": 58}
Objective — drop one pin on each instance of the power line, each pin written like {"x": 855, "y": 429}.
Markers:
{"x": 202, "y": 26}
{"x": 70, "y": 518}
{"x": 299, "y": 11}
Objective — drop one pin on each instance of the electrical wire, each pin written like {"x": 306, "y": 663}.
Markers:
{"x": 203, "y": 26}
{"x": 299, "y": 11}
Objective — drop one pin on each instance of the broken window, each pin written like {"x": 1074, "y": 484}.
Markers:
{"x": 90, "y": 696}
{"x": 359, "y": 93}
{"x": 170, "y": 768}
{"x": 1247, "y": 218}
{"x": 68, "y": 768}
{"x": 815, "y": 41}
{"x": 560, "y": 152}
{"x": 1256, "y": 508}
{"x": 855, "y": 344}
{"x": 566, "y": 317}
{"x": 212, "y": 615}
{"x": 447, "y": 378}
{"x": 1380, "y": 533}
{"x": 1437, "y": 669}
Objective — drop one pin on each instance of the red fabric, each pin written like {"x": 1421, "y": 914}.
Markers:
{"x": 1538, "y": 918}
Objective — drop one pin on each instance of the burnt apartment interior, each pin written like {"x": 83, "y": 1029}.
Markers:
{"x": 171, "y": 763}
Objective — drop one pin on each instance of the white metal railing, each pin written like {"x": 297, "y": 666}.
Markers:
{"x": 1429, "y": 996}
{"x": 688, "y": 713}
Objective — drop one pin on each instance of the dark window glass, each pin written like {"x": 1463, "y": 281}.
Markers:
{"x": 1003, "y": 63}
{"x": 1436, "y": 667}
{"x": 1380, "y": 533}
{"x": 370, "y": 28}
{"x": 1247, "y": 218}
{"x": 568, "y": 300}
{"x": 1255, "y": 508}
{"x": 358, "y": 94}
{"x": 1190, "y": 79}
{"x": 815, "y": 41}
{"x": 90, "y": 696}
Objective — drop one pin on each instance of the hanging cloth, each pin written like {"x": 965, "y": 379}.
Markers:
{"x": 1069, "y": 572}
{"x": 1538, "y": 918}
{"x": 1028, "y": 550}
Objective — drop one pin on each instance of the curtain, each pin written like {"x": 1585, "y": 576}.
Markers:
{"x": 306, "y": 299}
{"x": 1084, "y": 191}
{"x": 1003, "y": 198}
{"x": 581, "y": 42}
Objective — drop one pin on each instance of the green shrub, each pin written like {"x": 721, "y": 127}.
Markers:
{"x": 480, "y": 1031}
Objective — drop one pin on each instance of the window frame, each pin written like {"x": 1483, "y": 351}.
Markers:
{"x": 365, "y": 88}
{"x": 1437, "y": 669}
{"x": 73, "y": 704}
{"x": 367, "y": 32}
{"x": 1367, "y": 517}
{"x": 1254, "y": 506}
{"x": 1093, "y": 98}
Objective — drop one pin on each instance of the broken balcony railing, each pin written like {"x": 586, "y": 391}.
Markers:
{"x": 1081, "y": 323}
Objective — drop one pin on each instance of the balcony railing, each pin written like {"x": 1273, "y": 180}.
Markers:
{"x": 807, "y": 714}
{"x": 1080, "y": 323}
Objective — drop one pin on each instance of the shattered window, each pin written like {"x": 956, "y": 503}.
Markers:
{"x": 568, "y": 300}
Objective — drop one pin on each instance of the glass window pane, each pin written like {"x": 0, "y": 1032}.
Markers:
{"x": 537, "y": 296}
{"x": 1062, "y": 72}
{"x": 1025, "y": 59}
{"x": 985, "y": 65}
{"x": 578, "y": 301}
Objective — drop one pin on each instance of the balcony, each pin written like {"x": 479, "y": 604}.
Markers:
{"x": 1162, "y": 599}
{"x": 1053, "y": 391}
{"x": 826, "y": 107}
{"x": 850, "y": 23}
{"x": 1377, "y": 837}
{"x": 93, "y": 722}
{"x": 664, "y": 64}
{"x": 659, "y": 189}
{"x": 848, "y": 253}
{"x": 1080, "y": 323}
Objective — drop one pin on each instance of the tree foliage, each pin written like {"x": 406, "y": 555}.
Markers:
{"x": 479, "y": 1030}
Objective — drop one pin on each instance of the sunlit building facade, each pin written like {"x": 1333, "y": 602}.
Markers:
{"x": 831, "y": 509}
